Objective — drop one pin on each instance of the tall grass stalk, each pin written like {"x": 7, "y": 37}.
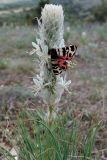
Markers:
{"x": 39, "y": 140}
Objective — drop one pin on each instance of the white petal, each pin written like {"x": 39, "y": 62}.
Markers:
{"x": 40, "y": 54}
{"x": 35, "y": 80}
{"x": 32, "y": 52}
{"x": 34, "y": 45}
{"x": 38, "y": 76}
{"x": 38, "y": 40}
{"x": 68, "y": 82}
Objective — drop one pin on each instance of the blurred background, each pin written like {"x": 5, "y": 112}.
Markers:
{"x": 85, "y": 25}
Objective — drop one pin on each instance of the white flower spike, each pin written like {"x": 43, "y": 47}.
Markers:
{"x": 50, "y": 35}
{"x": 64, "y": 83}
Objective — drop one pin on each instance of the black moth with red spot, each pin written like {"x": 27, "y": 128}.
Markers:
{"x": 60, "y": 56}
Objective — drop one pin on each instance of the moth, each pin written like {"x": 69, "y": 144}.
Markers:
{"x": 60, "y": 58}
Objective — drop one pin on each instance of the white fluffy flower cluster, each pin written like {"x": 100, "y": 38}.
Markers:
{"x": 52, "y": 28}
{"x": 50, "y": 35}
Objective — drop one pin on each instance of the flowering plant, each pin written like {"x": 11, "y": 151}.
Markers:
{"x": 47, "y": 85}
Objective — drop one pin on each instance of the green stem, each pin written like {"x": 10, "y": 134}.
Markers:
{"x": 50, "y": 114}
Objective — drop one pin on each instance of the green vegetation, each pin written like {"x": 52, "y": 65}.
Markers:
{"x": 100, "y": 12}
{"x": 23, "y": 17}
{"x": 3, "y": 64}
{"x": 74, "y": 12}
{"x": 55, "y": 140}
{"x": 16, "y": 5}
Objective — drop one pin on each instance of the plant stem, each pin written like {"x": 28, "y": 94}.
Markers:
{"x": 50, "y": 114}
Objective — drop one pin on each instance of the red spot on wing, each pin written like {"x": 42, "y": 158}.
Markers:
{"x": 62, "y": 61}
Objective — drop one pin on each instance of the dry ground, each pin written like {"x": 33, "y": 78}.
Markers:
{"x": 89, "y": 77}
